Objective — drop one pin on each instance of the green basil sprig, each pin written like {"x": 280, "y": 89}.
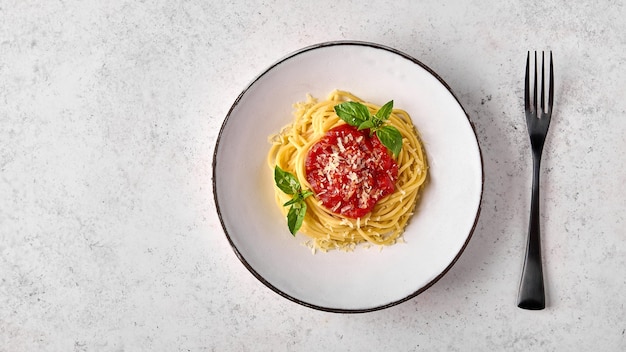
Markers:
{"x": 289, "y": 184}
{"x": 357, "y": 115}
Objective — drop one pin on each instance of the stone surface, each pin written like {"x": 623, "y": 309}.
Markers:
{"x": 109, "y": 236}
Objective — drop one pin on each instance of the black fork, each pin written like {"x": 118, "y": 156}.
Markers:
{"x": 531, "y": 290}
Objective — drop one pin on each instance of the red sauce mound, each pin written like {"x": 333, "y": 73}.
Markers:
{"x": 349, "y": 171}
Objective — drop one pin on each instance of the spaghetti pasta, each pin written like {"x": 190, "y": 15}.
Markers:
{"x": 385, "y": 224}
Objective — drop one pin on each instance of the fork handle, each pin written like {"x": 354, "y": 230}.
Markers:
{"x": 531, "y": 290}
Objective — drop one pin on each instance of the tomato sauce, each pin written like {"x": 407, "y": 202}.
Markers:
{"x": 350, "y": 171}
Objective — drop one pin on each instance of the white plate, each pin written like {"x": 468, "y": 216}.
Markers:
{"x": 367, "y": 279}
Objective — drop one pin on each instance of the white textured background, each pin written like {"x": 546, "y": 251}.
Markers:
{"x": 109, "y": 238}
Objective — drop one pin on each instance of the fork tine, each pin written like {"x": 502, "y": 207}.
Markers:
{"x": 535, "y": 88}
{"x": 527, "y": 84}
{"x": 551, "y": 86}
{"x": 543, "y": 90}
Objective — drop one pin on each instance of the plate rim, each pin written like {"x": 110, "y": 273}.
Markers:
{"x": 219, "y": 211}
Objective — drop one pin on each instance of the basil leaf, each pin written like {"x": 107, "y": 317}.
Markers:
{"x": 293, "y": 200}
{"x": 385, "y": 111}
{"x": 292, "y": 218}
{"x": 289, "y": 184}
{"x": 295, "y": 217}
{"x": 286, "y": 181}
{"x": 366, "y": 124}
{"x": 352, "y": 112}
{"x": 391, "y": 138}
{"x": 301, "y": 213}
